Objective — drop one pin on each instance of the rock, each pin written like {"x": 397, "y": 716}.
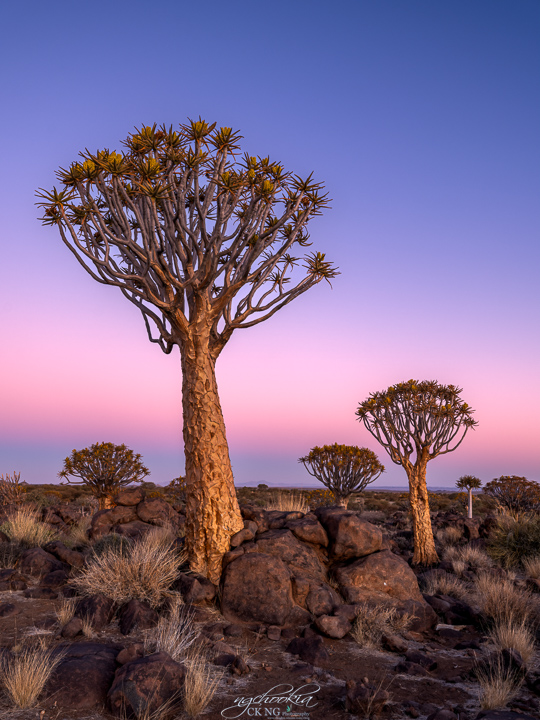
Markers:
{"x": 195, "y": 588}
{"x": 411, "y": 668}
{"x": 97, "y": 609}
{"x": 4, "y": 537}
{"x": 133, "y": 652}
{"x": 122, "y": 514}
{"x": 228, "y": 557}
{"x": 82, "y": 678}
{"x": 224, "y": 659}
{"x": 233, "y": 630}
{"x": 310, "y": 650}
{"x": 442, "y": 715}
{"x": 55, "y": 579}
{"x": 502, "y": 715}
{"x": 242, "y": 536}
{"x": 12, "y": 580}
{"x": 9, "y": 609}
{"x": 37, "y": 562}
{"x": 41, "y": 593}
{"x": 383, "y": 572}
{"x": 257, "y": 515}
{"x": 349, "y": 612}
{"x": 72, "y": 628}
{"x": 415, "y": 656}
{"x": 239, "y": 666}
{"x": 257, "y": 587}
{"x": 423, "y": 617}
{"x": 487, "y": 526}
{"x": 157, "y": 512}
{"x": 322, "y": 599}
{"x": 309, "y": 529}
{"x": 133, "y": 530}
{"x": 71, "y": 557}
{"x": 299, "y": 558}
{"x": 335, "y": 627}
{"x": 273, "y": 632}
{"x": 470, "y": 529}
{"x": 365, "y": 699}
{"x": 101, "y": 524}
{"x": 394, "y": 644}
{"x": 350, "y": 537}
{"x": 143, "y": 685}
{"x": 136, "y": 614}
{"x": 130, "y": 496}
{"x": 69, "y": 515}
{"x": 300, "y": 588}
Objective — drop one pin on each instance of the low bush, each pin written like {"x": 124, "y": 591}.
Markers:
{"x": 450, "y": 535}
{"x": 10, "y": 553}
{"x": 143, "y": 572}
{"x": 531, "y": 565}
{"x": 25, "y": 527}
{"x": 514, "y": 540}
{"x": 202, "y": 681}
{"x": 112, "y": 542}
{"x": 174, "y": 634}
{"x": 373, "y": 622}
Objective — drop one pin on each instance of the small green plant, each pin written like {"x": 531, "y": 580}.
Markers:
{"x": 103, "y": 469}
{"x": 514, "y": 540}
{"x": 343, "y": 469}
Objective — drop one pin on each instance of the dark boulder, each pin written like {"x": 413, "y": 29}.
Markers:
{"x": 195, "y": 588}
{"x": 157, "y": 512}
{"x": 37, "y": 562}
{"x": 98, "y": 610}
{"x": 299, "y": 558}
{"x": 350, "y": 537}
{"x": 136, "y": 614}
{"x": 309, "y": 529}
{"x": 381, "y": 572}
{"x": 129, "y": 496}
{"x": 310, "y": 649}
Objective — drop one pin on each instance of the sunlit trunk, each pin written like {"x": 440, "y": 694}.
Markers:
{"x": 469, "y": 514}
{"x": 424, "y": 544}
{"x": 212, "y": 512}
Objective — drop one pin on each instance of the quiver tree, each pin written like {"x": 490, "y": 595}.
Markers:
{"x": 415, "y": 422}
{"x": 201, "y": 240}
{"x": 343, "y": 469}
{"x": 469, "y": 483}
{"x": 103, "y": 468}
{"x": 514, "y": 493}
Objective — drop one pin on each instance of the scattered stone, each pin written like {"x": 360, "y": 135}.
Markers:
{"x": 132, "y": 530}
{"x": 415, "y": 656}
{"x": 9, "y": 609}
{"x": 442, "y": 715}
{"x": 195, "y": 588}
{"x": 72, "y": 628}
{"x": 394, "y": 644}
{"x": 410, "y": 668}
{"x": 273, "y": 632}
{"x": 502, "y": 715}
{"x": 350, "y": 537}
{"x": 4, "y": 537}
{"x": 348, "y": 612}
{"x": 157, "y": 512}
{"x": 365, "y": 699}
{"x": 136, "y": 614}
{"x": 122, "y": 514}
{"x": 41, "y": 593}
{"x": 335, "y": 627}
{"x": 55, "y": 579}
{"x": 322, "y": 599}
{"x": 97, "y": 609}
{"x": 309, "y": 529}
{"x": 37, "y": 562}
{"x": 299, "y": 558}
{"x": 144, "y": 684}
{"x": 133, "y": 652}
{"x": 233, "y": 630}
{"x": 310, "y": 650}
{"x": 242, "y": 536}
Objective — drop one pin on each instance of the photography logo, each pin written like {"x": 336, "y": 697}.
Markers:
{"x": 281, "y": 701}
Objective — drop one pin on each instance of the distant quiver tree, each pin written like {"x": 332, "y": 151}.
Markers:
{"x": 415, "y": 422}
{"x": 469, "y": 483}
{"x": 343, "y": 469}
{"x": 515, "y": 493}
{"x": 201, "y": 240}
{"x": 104, "y": 468}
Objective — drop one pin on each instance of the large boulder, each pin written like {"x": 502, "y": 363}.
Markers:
{"x": 299, "y": 558}
{"x": 38, "y": 562}
{"x": 136, "y": 614}
{"x": 83, "y": 677}
{"x": 309, "y": 529}
{"x": 65, "y": 554}
{"x": 130, "y": 496}
{"x": 257, "y": 587}
{"x": 381, "y": 572}
{"x": 157, "y": 512}
{"x": 98, "y": 610}
{"x": 350, "y": 537}
{"x": 140, "y": 687}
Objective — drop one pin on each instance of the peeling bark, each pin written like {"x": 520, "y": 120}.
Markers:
{"x": 212, "y": 511}
{"x": 424, "y": 544}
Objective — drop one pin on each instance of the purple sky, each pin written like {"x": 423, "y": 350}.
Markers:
{"x": 421, "y": 118}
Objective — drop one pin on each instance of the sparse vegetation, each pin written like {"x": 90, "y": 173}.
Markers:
{"x": 12, "y": 490}
{"x": 502, "y": 603}
{"x": 372, "y": 622}
{"x": 25, "y": 528}
{"x": 175, "y": 633}
{"x": 515, "y": 539}
{"x": 288, "y": 502}
{"x": 24, "y": 676}
{"x": 439, "y": 584}
{"x": 531, "y": 565}
{"x": 516, "y": 494}
{"x": 514, "y": 636}
{"x": 498, "y": 684}
{"x": 201, "y": 683}
{"x": 450, "y": 535}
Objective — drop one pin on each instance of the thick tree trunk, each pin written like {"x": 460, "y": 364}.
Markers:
{"x": 342, "y": 500}
{"x": 424, "y": 544}
{"x": 469, "y": 514}
{"x": 212, "y": 512}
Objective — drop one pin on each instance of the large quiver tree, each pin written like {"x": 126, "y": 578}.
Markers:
{"x": 415, "y": 422}
{"x": 201, "y": 242}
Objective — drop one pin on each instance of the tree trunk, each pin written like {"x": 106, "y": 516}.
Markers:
{"x": 424, "y": 544}
{"x": 212, "y": 512}
{"x": 469, "y": 514}
{"x": 342, "y": 500}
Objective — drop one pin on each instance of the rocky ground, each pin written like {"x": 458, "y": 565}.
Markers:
{"x": 280, "y": 632}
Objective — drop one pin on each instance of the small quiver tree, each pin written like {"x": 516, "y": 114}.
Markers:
{"x": 202, "y": 240}
{"x": 12, "y": 490}
{"x": 516, "y": 494}
{"x": 469, "y": 483}
{"x": 343, "y": 469}
{"x": 104, "y": 468}
{"x": 415, "y": 422}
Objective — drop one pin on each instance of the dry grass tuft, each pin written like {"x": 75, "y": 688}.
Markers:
{"x": 146, "y": 573}
{"x": 477, "y": 558}
{"x": 25, "y": 528}
{"x": 373, "y": 622}
{"x": 25, "y": 675}
{"x": 445, "y": 585}
{"x": 288, "y": 502}
{"x": 498, "y": 684}
{"x": 514, "y": 636}
{"x": 174, "y": 634}
{"x": 78, "y": 533}
{"x": 500, "y": 601}
{"x": 202, "y": 681}
{"x": 450, "y": 535}
{"x": 65, "y": 611}
{"x": 531, "y": 565}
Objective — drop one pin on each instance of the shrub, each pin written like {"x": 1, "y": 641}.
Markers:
{"x": 319, "y": 498}
{"x": 514, "y": 540}
{"x": 144, "y": 572}
{"x": 25, "y": 528}
{"x": 502, "y": 603}
{"x": 450, "y": 535}
{"x": 24, "y": 676}
{"x": 373, "y": 622}
{"x": 531, "y": 565}
{"x": 438, "y": 584}
{"x": 288, "y": 502}
{"x": 202, "y": 681}
{"x": 515, "y": 493}
{"x": 10, "y": 553}
{"x": 174, "y": 634}
{"x": 498, "y": 684}
{"x": 112, "y": 542}
{"x": 12, "y": 490}
{"x": 103, "y": 469}
{"x": 514, "y": 636}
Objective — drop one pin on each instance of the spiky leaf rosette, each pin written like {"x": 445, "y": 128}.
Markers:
{"x": 344, "y": 469}
{"x": 468, "y": 482}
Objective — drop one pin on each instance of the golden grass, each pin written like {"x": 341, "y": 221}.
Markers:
{"x": 288, "y": 502}
{"x": 65, "y": 611}
{"x": 145, "y": 573}
{"x": 500, "y": 601}
{"x": 531, "y": 565}
{"x": 445, "y": 585}
{"x": 78, "y": 533}
{"x": 24, "y": 527}
{"x": 174, "y": 634}
{"x": 475, "y": 557}
{"x": 449, "y": 536}
{"x": 498, "y": 685}
{"x": 25, "y": 675}
{"x": 373, "y": 622}
{"x": 202, "y": 681}
{"x": 514, "y": 636}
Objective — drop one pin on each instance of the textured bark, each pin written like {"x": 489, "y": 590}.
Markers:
{"x": 424, "y": 544}
{"x": 212, "y": 512}
{"x": 469, "y": 513}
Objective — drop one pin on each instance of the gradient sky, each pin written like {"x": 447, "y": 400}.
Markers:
{"x": 422, "y": 119}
